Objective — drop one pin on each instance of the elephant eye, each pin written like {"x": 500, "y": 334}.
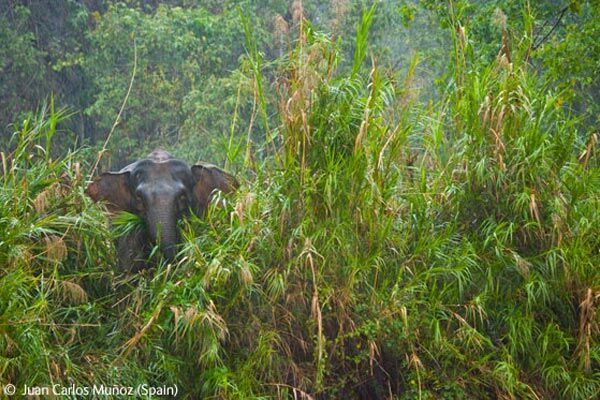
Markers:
{"x": 183, "y": 200}
{"x": 139, "y": 202}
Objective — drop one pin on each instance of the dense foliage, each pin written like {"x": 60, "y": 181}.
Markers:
{"x": 394, "y": 237}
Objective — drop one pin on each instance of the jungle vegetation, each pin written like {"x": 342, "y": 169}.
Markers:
{"x": 417, "y": 217}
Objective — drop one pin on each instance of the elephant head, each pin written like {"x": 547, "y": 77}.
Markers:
{"x": 161, "y": 190}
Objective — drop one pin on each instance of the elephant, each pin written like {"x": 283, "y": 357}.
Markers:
{"x": 161, "y": 190}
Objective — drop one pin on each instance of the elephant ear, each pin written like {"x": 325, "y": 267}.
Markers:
{"x": 208, "y": 179}
{"x": 113, "y": 188}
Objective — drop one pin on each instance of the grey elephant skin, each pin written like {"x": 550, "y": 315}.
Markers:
{"x": 161, "y": 190}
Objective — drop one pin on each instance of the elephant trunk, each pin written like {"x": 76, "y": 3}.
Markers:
{"x": 162, "y": 226}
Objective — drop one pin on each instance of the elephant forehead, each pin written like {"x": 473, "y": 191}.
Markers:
{"x": 162, "y": 171}
{"x": 160, "y": 155}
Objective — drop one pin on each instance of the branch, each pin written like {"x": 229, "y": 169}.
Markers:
{"x": 560, "y": 16}
{"x": 112, "y": 129}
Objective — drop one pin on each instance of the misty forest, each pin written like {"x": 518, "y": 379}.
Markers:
{"x": 371, "y": 199}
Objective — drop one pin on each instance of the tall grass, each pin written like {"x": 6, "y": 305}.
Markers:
{"x": 56, "y": 326}
{"x": 389, "y": 249}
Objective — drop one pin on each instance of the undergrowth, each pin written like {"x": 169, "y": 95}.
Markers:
{"x": 386, "y": 249}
